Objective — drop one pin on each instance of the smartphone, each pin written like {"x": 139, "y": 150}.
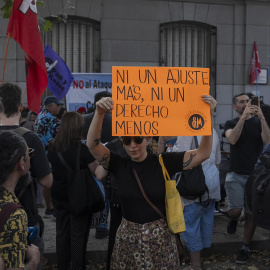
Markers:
{"x": 255, "y": 101}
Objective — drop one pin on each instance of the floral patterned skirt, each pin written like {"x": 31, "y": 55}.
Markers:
{"x": 145, "y": 246}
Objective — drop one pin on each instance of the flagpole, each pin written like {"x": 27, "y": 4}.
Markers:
{"x": 256, "y": 81}
{"x": 23, "y": 93}
{"x": 5, "y": 59}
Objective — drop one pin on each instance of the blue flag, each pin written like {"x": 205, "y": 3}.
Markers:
{"x": 59, "y": 75}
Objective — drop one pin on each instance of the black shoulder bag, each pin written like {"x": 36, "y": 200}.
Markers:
{"x": 192, "y": 183}
{"x": 84, "y": 194}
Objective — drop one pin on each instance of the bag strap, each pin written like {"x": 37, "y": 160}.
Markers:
{"x": 207, "y": 190}
{"x": 77, "y": 159}
{"x": 5, "y": 213}
{"x": 63, "y": 161}
{"x": 167, "y": 178}
{"x": 33, "y": 190}
{"x": 22, "y": 130}
{"x": 145, "y": 196}
{"x": 164, "y": 170}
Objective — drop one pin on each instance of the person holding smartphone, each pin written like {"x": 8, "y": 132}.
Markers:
{"x": 247, "y": 135}
{"x": 264, "y": 107}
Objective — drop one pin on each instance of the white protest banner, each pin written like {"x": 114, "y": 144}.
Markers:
{"x": 85, "y": 86}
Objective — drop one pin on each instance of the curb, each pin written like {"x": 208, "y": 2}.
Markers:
{"x": 226, "y": 248}
{"x": 229, "y": 248}
{"x": 95, "y": 256}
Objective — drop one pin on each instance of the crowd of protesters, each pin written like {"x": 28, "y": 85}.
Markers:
{"x": 138, "y": 236}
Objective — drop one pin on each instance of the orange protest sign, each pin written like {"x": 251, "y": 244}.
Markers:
{"x": 160, "y": 101}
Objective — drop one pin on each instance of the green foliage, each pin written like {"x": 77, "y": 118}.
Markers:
{"x": 7, "y": 8}
{"x": 45, "y": 24}
{"x": 40, "y": 3}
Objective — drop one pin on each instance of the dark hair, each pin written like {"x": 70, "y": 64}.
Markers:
{"x": 100, "y": 95}
{"x": 12, "y": 149}
{"x": 24, "y": 112}
{"x": 250, "y": 95}
{"x": 70, "y": 132}
{"x": 10, "y": 95}
{"x": 235, "y": 97}
{"x": 61, "y": 112}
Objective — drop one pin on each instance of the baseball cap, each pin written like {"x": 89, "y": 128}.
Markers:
{"x": 51, "y": 99}
{"x": 81, "y": 109}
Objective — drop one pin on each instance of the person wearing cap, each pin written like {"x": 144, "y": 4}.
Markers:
{"x": 81, "y": 110}
{"x": 47, "y": 127}
{"x": 48, "y": 124}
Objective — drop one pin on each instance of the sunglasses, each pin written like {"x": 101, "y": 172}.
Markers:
{"x": 31, "y": 152}
{"x": 127, "y": 140}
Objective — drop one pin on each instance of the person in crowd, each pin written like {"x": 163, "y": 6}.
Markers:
{"x": 47, "y": 127}
{"x": 246, "y": 134}
{"x": 32, "y": 116}
{"x": 166, "y": 143}
{"x": 71, "y": 231}
{"x": 264, "y": 107}
{"x": 199, "y": 216}
{"x": 14, "y": 167}
{"x": 154, "y": 144}
{"x": 47, "y": 123}
{"x": 106, "y": 136}
{"x": 106, "y": 133}
{"x": 266, "y": 113}
{"x": 143, "y": 238}
{"x": 115, "y": 208}
{"x": 61, "y": 113}
{"x": 12, "y": 106}
{"x": 26, "y": 123}
{"x": 27, "y": 120}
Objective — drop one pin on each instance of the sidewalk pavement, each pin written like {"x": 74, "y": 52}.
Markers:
{"x": 222, "y": 244}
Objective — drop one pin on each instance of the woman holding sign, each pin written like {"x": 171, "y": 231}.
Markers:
{"x": 143, "y": 240}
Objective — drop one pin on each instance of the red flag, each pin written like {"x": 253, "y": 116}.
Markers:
{"x": 255, "y": 68}
{"x": 23, "y": 27}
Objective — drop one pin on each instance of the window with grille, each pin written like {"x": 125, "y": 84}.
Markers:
{"x": 189, "y": 44}
{"x": 78, "y": 42}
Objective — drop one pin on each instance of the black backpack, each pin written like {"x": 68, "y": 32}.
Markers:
{"x": 258, "y": 193}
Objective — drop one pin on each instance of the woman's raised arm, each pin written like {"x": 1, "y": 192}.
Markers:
{"x": 98, "y": 150}
{"x": 195, "y": 157}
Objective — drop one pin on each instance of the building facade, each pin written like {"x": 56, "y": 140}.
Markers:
{"x": 99, "y": 34}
